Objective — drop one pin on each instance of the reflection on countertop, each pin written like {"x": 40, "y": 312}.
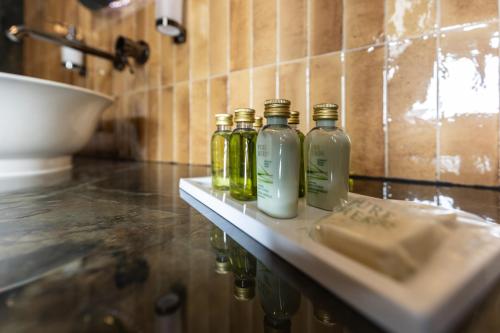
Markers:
{"x": 114, "y": 248}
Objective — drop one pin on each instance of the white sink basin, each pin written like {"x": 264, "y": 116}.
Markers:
{"x": 42, "y": 123}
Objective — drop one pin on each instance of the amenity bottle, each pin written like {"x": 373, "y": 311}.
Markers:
{"x": 219, "y": 150}
{"x": 326, "y": 157}
{"x": 243, "y": 177}
{"x": 278, "y": 162}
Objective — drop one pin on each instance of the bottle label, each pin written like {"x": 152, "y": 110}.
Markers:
{"x": 318, "y": 181}
{"x": 264, "y": 171}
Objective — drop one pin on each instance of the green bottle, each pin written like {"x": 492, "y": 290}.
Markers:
{"x": 244, "y": 269}
{"x": 293, "y": 122}
{"x": 220, "y": 243}
{"x": 242, "y": 159}
{"x": 278, "y": 299}
{"x": 220, "y": 151}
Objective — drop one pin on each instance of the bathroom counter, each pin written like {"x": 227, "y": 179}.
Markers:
{"x": 109, "y": 247}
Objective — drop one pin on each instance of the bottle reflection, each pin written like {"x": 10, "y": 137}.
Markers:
{"x": 243, "y": 265}
{"x": 278, "y": 299}
{"x": 219, "y": 241}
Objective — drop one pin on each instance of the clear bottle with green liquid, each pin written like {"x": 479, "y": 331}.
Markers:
{"x": 220, "y": 151}
{"x": 242, "y": 159}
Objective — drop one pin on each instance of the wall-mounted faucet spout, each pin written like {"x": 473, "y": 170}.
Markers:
{"x": 139, "y": 51}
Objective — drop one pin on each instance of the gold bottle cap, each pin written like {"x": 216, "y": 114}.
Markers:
{"x": 326, "y": 111}
{"x": 245, "y": 115}
{"x": 324, "y": 316}
{"x": 244, "y": 293}
{"x": 257, "y": 122}
{"x": 222, "y": 267}
{"x": 224, "y": 119}
{"x": 277, "y": 108}
{"x": 294, "y": 118}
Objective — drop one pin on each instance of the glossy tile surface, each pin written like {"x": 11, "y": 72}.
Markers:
{"x": 364, "y": 120}
{"x": 410, "y": 18}
{"x": 458, "y": 12}
{"x": 469, "y": 105}
{"x": 326, "y": 81}
{"x": 108, "y": 242}
{"x": 326, "y": 26}
{"x": 293, "y": 29}
{"x": 363, "y": 22}
{"x": 236, "y": 45}
{"x": 412, "y": 108}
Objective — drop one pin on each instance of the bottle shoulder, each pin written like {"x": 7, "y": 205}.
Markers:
{"x": 283, "y": 133}
{"x": 334, "y": 134}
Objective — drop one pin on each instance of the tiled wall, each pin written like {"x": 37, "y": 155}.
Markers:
{"x": 417, "y": 81}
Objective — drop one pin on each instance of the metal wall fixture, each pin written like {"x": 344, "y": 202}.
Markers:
{"x": 169, "y": 19}
{"x": 125, "y": 48}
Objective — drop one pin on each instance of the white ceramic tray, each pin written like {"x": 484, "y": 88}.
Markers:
{"x": 431, "y": 301}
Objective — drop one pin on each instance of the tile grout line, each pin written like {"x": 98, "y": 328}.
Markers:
{"x": 251, "y": 52}
{"x": 498, "y": 128}
{"x": 343, "y": 112}
{"x": 209, "y": 89}
{"x": 308, "y": 66}
{"x": 385, "y": 108}
{"x": 278, "y": 53}
{"x": 228, "y": 57}
{"x": 437, "y": 170}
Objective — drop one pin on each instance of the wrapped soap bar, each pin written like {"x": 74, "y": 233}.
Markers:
{"x": 391, "y": 237}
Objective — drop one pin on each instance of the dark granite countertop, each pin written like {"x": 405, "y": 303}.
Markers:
{"x": 113, "y": 248}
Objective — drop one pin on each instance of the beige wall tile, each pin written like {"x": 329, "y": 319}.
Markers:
{"x": 326, "y": 26}
{"x": 410, "y": 18}
{"x": 411, "y": 100}
{"x": 292, "y": 86}
{"x": 198, "y": 33}
{"x": 264, "y": 32}
{"x": 153, "y": 125}
{"x": 152, "y": 66}
{"x": 181, "y": 123}
{"x": 455, "y": 12}
{"x": 264, "y": 87}
{"x": 293, "y": 29}
{"x": 468, "y": 106}
{"x": 239, "y": 90}
{"x": 364, "y": 121}
{"x": 181, "y": 52}
{"x": 363, "y": 22}
{"x": 198, "y": 124}
{"x": 240, "y": 30}
{"x": 166, "y": 126}
{"x": 137, "y": 115}
{"x": 326, "y": 81}
{"x": 167, "y": 60}
{"x": 219, "y": 33}
{"x": 218, "y": 97}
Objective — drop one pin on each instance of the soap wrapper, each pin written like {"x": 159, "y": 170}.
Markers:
{"x": 391, "y": 237}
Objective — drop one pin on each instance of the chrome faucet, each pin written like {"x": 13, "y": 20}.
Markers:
{"x": 124, "y": 48}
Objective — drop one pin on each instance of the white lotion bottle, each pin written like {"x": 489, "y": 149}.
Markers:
{"x": 278, "y": 162}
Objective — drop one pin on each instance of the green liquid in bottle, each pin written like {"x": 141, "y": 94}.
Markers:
{"x": 242, "y": 163}
{"x": 220, "y": 158}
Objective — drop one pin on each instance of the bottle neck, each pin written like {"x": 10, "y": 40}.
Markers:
{"x": 222, "y": 128}
{"x": 277, "y": 121}
{"x": 243, "y": 124}
{"x": 294, "y": 126}
{"x": 326, "y": 123}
